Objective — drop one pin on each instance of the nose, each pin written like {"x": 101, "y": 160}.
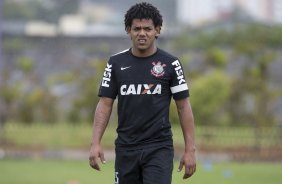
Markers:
{"x": 142, "y": 32}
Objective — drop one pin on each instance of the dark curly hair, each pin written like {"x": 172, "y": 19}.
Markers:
{"x": 143, "y": 11}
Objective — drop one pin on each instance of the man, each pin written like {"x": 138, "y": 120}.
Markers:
{"x": 144, "y": 78}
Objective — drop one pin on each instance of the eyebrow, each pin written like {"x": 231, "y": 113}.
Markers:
{"x": 151, "y": 26}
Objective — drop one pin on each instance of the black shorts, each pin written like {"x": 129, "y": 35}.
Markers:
{"x": 144, "y": 166}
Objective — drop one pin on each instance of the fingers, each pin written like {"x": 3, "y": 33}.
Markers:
{"x": 189, "y": 171}
{"x": 93, "y": 161}
{"x": 102, "y": 158}
{"x": 180, "y": 166}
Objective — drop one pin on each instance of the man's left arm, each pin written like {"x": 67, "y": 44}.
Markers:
{"x": 188, "y": 159}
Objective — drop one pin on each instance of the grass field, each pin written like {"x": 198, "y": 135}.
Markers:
{"x": 78, "y": 172}
{"x": 63, "y": 135}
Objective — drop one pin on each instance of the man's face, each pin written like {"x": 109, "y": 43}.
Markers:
{"x": 143, "y": 34}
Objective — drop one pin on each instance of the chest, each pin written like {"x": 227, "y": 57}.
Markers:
{"x": 148, "y": 71}
{"x": 151, "y": 78}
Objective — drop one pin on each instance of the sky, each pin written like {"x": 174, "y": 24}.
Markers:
{"x": 198, "y": 11}
{"x": 194, "y": 11}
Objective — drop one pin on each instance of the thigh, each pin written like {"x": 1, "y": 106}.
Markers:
{"x": 158, "y": 165}
{"x": 127, "y": 169}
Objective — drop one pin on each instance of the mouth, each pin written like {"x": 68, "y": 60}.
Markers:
{"x": 141, "y": 41}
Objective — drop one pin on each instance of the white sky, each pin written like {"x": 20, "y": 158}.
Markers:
{"x": 198, "y": 11}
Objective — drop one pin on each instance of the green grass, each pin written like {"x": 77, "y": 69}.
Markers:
{"x": 48, "y": 136}
{"x": 57, "y": 136}
{"x": 63, "y": 135}
{"x": 64, "y": 172}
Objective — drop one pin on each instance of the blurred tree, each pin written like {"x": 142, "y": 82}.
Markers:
{"x": 255, "y": 80}
{"x": 252, "y": 99}
{"x": 87, "y": 84}
{"x": 254, "y": 46}
{"x": 216, "y": 58}
{"x": 49, "y": 11}
{"x": 17, "y": 11}
{"x": 209, "y": 97}
{"x": 24, "y": 98}
{"x": 25, "y": 64}
{"x": 52, "y": 10}
{"x": 37, "y": 105}
{"x": 8, "y": 95}
{"x": 230, "y": 37}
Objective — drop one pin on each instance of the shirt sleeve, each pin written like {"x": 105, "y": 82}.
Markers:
{"x": 108, "y": 86}
{"x": 178, "y": 87}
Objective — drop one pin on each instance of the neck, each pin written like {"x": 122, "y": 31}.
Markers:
{"x": 144, "y": 53}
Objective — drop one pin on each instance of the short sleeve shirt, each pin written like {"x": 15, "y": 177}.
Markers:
{"x": 144, "y": 87}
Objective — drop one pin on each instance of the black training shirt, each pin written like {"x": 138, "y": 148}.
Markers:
{"x": 144, "y": 87}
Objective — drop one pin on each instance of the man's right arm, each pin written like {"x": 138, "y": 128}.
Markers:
{"x": 101, "y": 119}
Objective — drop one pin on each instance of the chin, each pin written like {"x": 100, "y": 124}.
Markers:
{"x": 142, "y": 48}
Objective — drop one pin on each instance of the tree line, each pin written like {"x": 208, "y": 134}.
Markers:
{"x": 248, "y": 98}
{"x": 217, "y": 97}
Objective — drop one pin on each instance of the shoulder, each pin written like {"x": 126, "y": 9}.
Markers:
{"x": 119, "y": 59}
{"x": 167, "y": 56}
{"x": 120, "y": 54}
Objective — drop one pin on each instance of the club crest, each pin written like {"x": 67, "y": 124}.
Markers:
{"x": 158, "y": 69}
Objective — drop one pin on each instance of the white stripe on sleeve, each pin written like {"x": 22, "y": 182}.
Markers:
{"x": 179, "y": 88}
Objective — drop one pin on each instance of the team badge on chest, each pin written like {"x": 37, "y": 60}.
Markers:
{"x": 158, "y": 69}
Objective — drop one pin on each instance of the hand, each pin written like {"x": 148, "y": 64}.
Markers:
{"x": 189, "y": 161}
{"x": 96, "y": 152}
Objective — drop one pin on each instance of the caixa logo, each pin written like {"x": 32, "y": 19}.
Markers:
{"x": 107, "y": 76}
{"x": 141, "y": 89}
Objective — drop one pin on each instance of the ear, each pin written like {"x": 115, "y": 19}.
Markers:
{"x": 128, "y": 29}
{"x": 158, "y": 30}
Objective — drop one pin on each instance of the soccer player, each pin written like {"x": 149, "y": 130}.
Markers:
{"x": 144, "y": 78}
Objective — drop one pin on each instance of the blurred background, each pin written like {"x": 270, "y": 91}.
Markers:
{"x": 53, "y": 53}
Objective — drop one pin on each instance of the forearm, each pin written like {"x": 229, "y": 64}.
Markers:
{"x": 101, "y": 119}
{"x": 187, "y": 124}
{"x": 188, "y": 159}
